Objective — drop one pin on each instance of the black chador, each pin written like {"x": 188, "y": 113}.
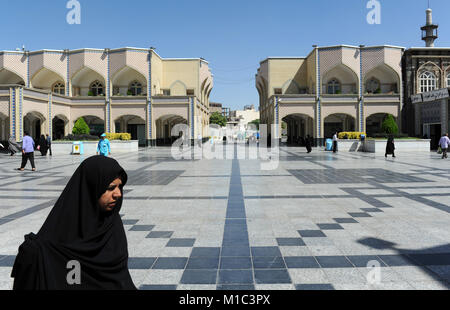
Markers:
{"x": 77, "y": 231}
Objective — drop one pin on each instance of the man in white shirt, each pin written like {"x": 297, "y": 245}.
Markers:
{"x": 444, "y": 143}
{"x": 335, "y": 141}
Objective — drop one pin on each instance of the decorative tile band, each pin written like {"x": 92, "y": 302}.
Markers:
{"x": 149, "y": 95}
{"x": 28, "y": 70}
{"x": 50, "y": 119}
{"x": 319, "y": 89}
{"x": 192, "y": 119}
{"x": 13, "y": 111}
{"x": 68, "y": 75}
{"x": 361, "y": 100}
{"x": 20, "y": 114}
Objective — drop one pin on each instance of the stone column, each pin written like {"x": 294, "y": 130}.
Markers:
{"x": 417, "y": 119}
{"x": 444, "y": 116}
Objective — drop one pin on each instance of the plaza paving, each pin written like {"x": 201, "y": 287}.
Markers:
{"x": 314, "y": 222}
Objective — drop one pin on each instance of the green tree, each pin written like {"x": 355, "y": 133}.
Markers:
{"x": 80, "y": 127}
{"x": 256, "y": 122}
{"x": 389, "y": 125}
{"x": 217, "y": 118}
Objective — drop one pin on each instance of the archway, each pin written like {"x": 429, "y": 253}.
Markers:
{"x": 128, "y": 81}
{"x": 374, "y": 123}
{"x": 9, "y": 77}
{"x": 299, "y": 126}
{"x": 338, "y": 122}
{"x": 59, "y": 127}
{"x": 381, "y": 80}
{"x": 88, "y": 82}
{"x": 96, "y": 124}
{"x": 340, "y": 80}
{"x": 33, "y": 123}
{"x": 164, "y": 126}
{"x": 48, "y": 80}
{"x": 133, "y": 125}
{"x": 4, "y": 127}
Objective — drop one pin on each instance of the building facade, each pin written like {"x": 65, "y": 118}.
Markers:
{"x": 427, "y": 79}
{"x": 115, "y": 90}
{"x": 337, "y": 88}
{"x": 426, "y": 73}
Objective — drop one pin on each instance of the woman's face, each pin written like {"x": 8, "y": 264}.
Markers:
{"x": 109, "y": 199}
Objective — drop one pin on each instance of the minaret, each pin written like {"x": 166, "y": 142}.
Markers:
{"x": 429, "y": 31}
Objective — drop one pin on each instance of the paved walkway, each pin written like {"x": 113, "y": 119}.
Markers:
{"x": 315, "y": 222}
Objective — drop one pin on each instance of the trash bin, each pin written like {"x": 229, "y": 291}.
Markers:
{"x": 77, "y": 148}
{"x": 329, "y": 144}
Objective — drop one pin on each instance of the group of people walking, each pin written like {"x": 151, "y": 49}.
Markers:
{"x": 44, "y": 146}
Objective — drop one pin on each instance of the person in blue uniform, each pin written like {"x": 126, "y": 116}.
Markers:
{"x": 103, "y": 147}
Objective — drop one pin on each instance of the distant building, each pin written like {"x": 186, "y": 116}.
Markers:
{"x": 241, "y": 118}
{"x": 218, "y": 107}
{"x": 335, "y": 88}
{"x": 115, "y": 90}
{"x": 426, "y": 73}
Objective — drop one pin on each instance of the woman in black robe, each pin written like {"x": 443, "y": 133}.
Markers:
{"x": 308, "y": 144}
{"x": 84, "y": 227}
{"x": 390, "y": 147}
{"x": 43, "y": 146}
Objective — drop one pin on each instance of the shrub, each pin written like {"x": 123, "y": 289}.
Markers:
{"x": 90, "y": 93}
{"x": 350, "y": 135}
{"x": 389, "y": 125}
{"x": 118, "y": 136}
{"x": 80, "y": 127}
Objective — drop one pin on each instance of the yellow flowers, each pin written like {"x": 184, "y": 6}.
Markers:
{"x": 351, "y": 135}
{"x": 118, "y": 136}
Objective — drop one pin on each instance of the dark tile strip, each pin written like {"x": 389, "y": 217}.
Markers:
{"x": 20, "y": 214}
{"x": 232, "y": 270}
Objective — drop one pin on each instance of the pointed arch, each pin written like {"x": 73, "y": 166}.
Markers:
{"x": 8, "y": 76}
{"x": 387, "y": 77}
{"x": 178, "y": 88}
{"x": 343, "y": 73}
{"x": 122, "y": 80}
{"x": 82, "y": 80}
{"x": 45, "y": 78}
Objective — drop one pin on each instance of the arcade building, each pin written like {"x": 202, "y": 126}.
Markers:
{"x": 115, "y": 90}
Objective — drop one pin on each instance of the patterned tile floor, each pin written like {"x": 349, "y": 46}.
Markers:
{"x": 315, "y": 222}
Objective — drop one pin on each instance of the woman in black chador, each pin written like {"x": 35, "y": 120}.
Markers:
{"x": 43, "y": 147}
{"x": 308, "y": 144}
{"x": 390, "y": 147}
{"x": 85, "y": 228}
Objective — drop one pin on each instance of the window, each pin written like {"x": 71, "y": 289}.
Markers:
{"x": 96, "y": 88}
{"x": 166, "y": 92}
{"x": 373, "y": 86}
{"x": 189, "y": 92}
{"x": 59, "y": 88}
{"x": 427, "y": 82}
{"x": 334, "y": 87}
{"x": 135, "y": 88}
{"x": 448, "y": 80}
{"x": 278, "y": 91}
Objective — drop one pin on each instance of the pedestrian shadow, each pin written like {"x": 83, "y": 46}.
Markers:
{"x": 434, "y": 261}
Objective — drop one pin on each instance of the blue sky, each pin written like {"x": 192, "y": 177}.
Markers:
{"x": 233, "y": 35}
